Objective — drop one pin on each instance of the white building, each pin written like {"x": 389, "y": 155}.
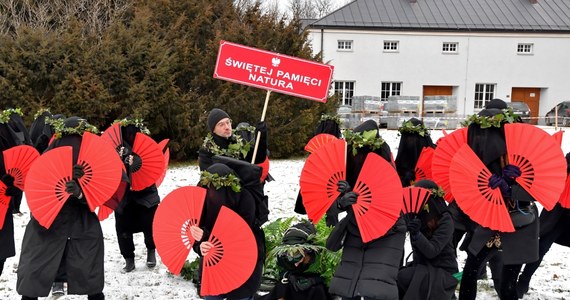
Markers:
{"x": 475, "y": 50}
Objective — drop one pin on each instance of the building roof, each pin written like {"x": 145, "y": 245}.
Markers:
{"x": 451, "y": 15}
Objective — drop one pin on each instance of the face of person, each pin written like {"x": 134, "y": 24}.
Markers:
{"x": 224, "y": 128}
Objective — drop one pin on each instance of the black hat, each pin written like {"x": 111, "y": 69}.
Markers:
{"x": 366, "y": 126}
{"x": 496, "y": 103}
{"x": 219, "y": 169}
{"x": 214, "y": 117}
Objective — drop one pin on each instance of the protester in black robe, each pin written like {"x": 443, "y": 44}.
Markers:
{"x": 554, "y": 228}
{"x": 135, "y": 212}
{"x": 329, "y": 125}
{"x": 430, "y": 275}
{"x": 8, "y": 249}
{"x": 517, "y": 247}
{"x": 294, "y": 261}
{"x": 41, "y": 131}
{"x": 414, "y": 138}
{"x": 73, "y": 243}
{"x": 243, "y": 203}
{"x": 369, "y": 269}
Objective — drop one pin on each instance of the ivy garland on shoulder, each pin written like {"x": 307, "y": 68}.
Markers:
{"x": 495, "y": 121}
{"x": 363, "y": 139}
{"x": 238, "y": 149}
{"x": 41, "y": 111}
{"x": 138, "y": 123}
{"x": 60, "y": 129}
{"x": 216, "y": 181}
{"x": 5, "y": 115}
{"x": 408, "y": 127}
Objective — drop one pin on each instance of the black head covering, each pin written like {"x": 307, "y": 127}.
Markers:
{"x": 497, "y": 104}
{"x": 214, "y": 117}
{"x": 128, "y": 133}
{"x": 354, "y": 163}
{"x": 409, "y": 150}
{"x": 73, "y": 140}
{"x": 328, "y": 126}
{"x": 19, "y": 128}
{"x": 435, "y": 206}
{"x": 37, "y": 128}
{"x": 488, "y": 143}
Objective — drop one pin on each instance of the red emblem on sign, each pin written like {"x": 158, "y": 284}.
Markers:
{"x": 273, "y": 71}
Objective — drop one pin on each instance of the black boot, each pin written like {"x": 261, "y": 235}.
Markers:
{"x": 522, "y": 285}
{"x": 150, "y": 258}
{"x": 57, "y": 289}
{"x": 129, "y": 264}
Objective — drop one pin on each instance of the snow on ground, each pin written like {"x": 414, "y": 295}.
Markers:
{"x": 551, "y": 281}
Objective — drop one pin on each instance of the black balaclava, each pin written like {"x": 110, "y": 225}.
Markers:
{"x": 409, "y": 150}
{"x": 434, "y": 208}
{"x": 128, "y": 134}
{"x": 215, "y": 116}
{"x": 489, "y": 143}
{"x": 354, "y": 163}
{"x": 17, "y": 124}
{"x": 215, "y": 198}
{"x": 37, "y": 128}
{"x": 328, "y": 126}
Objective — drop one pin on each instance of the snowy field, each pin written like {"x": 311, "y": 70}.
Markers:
{"x": 551, "y": 280}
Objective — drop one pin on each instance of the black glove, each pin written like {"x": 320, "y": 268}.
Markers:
{"x": 8, "y": 180}
{"x": 11, "y": 191}
{"x": 496, "y": 181}
{"x": 137, "y": 163}
{"x": 261, "y": 127}
{"x": 346, "y": 200}
{"x": 511, "y": 171}
{"x": 78, "y": 171}
{"x": 414, "y": 226}
{"x": 343, "y": 186}
{"x": 73, "y": 188}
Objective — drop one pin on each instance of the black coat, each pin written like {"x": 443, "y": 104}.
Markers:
{"x": 434, "y": 262}
{"x": 8, "y": 249}
{"x": 369, "y": 269}
{"x": 558, "y": 216}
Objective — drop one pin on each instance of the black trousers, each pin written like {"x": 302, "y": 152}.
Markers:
{"x": 2, "y": 265}
{"x": 135, "y": 218}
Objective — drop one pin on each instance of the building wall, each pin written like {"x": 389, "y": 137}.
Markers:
{"x": 481, "y": 58}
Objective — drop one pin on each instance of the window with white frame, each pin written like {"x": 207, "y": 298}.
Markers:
{"x": 524, "y": 48}
{"x": 391, "y": 46}
{"x": 390, "y": 89}
{"x": 344, "y": 90}
{"x": 484, "y": 92}
{"x": 344, "y": 45}
{"x": 449, "y": 47}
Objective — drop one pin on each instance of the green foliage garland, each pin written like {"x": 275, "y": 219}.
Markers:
{"x": 494, "y": 121}
{"x": 217, "y": 181}
{"x": 335, "y": 118}
{"x": 237, "y": 150}
{"x": 365, "y": 139}
{"x": 138, "y": 123}
{"x": 41, "y": 111}
{"x": 408, "y": 127}
{"x": 61, "y": 130}
{"x": 5, "y": 115}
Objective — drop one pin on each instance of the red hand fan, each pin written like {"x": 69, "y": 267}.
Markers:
{"x": 112, "y": 135}
{"x": 104, "y": 212}
{"x": 180, "y": 209}
{"x": 166, "y": 161}
{"x": 45, "y": 184}
{"x": 318, "y": 140}
{"x": 379, "y": 199}
{"x": 540, "y": 159}
{"x": 469, "y": 180}
{"x": 162, "y": 145}
{"x": 17, "y": 161}
{"x": 232, "y": 259}
{"x": 4, "y": 204}
{"x": 321, "y": 172}
{"x": 102, "y": 167}
{"x": 423, "y": 166}
{"x": 565, "y": 196}
{"x": 442, "y": 155}
{"x": 414, "y": 199}
{"x": 558, "y": 135}
{"x": 152, "y": 162}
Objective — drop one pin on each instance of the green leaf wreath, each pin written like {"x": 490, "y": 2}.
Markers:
{"x": 409, "y": 127}
{"x": 40, "y": 112}
{"x": 5, "y": 115}
{"x": 491, "y": 121}
{"x": 238, "y": 149}
{"x": 335, "y": 118}
{"x": 363, "y": 139}
{"x": 138, "y": 123}
{"x": 60, "y": 129}
{"x": 215, "y": 180}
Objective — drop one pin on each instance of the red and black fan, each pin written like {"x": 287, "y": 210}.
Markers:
{"x": 166, "y": 151}
{"x": 4, "y": 204}
{"x": 17, "y": 162}
{"x": 423, "y": 166}
{"x": 414, "y": 200}
{"x": 152, "y": 165}
{"x": 318, "y": 140}
{"x": 446, "y": 148}
{"x": 113, "y": 136}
